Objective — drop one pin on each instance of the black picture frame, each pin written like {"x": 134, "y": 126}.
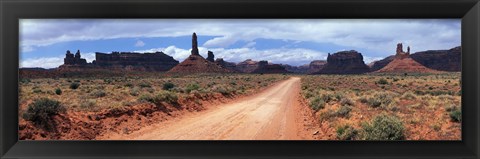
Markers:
{"x": 13, "y": 10}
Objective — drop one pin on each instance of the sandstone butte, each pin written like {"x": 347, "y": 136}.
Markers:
{"x": 403, "y": 63}
{"x": 195, "y": 63}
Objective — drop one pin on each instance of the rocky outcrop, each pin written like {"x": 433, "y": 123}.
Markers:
{"x": 377, "y": 65}
{"x": 247, "y": 66}
{"x": 157, "y": 61}
{"x": 296, "y": 69}
{"x": 403, "y": 63}
{"x": 129, "y": 61}
{"x": 195, "y": 45}
{"x": 76, "y": 59}
{"x": 197, "y": 64}
{"x": 443, "y": 60}
{"x": 344, "y": 62}
{"x": 210, "y": 56}
{"x": 316, "y": 65}
{"x": 265, "y": 67}
{"x": 229, "y": 65}
{"x": 400, "y": 54}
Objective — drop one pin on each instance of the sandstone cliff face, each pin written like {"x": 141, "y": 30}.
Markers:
{"x": 377, "y": 65}
{"x": 302, "y": 69}
{"x": 316, "y": 65}
{"x": 130, "y": 61}
{"x": 265, "y": 67}
{"x": 443, "y": 60}
{"x": 247, "y": 66}
{"x": 229, "y": 65}
{"x": 344, "y": 62}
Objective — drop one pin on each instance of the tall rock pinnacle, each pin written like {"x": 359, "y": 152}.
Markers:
{"x": 194, "y": 44}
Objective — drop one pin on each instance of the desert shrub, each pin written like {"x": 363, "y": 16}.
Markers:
{"x": 308, "y": 94}
{"x": 168, "y": 86}
{"x": 41, "y": 111}
{"x": 346, "y": 132}
{"x": 144, "y": 85}
{"x": 130, "y": 85}
{"x": 409, "y": 96}
{"x": 327, "y": 115}
{"x": 327, "y": 97}
{"x": 25, "y": 80}
{"x": 384, "y": 127}
{"x": 224, "y": 90}
{"x": 343, "y": 111}
{"x": 88, "y": 104}
{"x": 58, "y": 91}
{"x": 382, "y": 81}
{"x": 163, "y": 96}
{"x": 150, "y": 89}
{"x": 146, "y": 98}
{"x": 191, "y": 87}
{"x": 134, "y": 91}
{"x": 74, "y": 85}
{"x": 456, "y": 115}
{"x": 450, "y": 108}
{"x": 346, "y": 101}
{"x": 317, "y": 103}
{"x": 37, "y": 90}
{"x": 338, "y": 96}
{"x": 381, "y": 99}
{"x": 98, "y": 94}
{"x": 167, "y": 96}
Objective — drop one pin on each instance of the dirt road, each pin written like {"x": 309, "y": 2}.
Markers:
{"x": 273, "y": 114}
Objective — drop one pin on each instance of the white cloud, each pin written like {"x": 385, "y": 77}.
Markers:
{"x": 379, "y": 35}
{"x": 281, "y": 55}
{"x": 250, "y": 44}
{"x": 46, "y": 62}
{"x": 27, "y": 48}
{"x": 139, "y": 43}
{"x": 51, "y": 62}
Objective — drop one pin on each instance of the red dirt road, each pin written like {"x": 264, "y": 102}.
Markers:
{"x": 273, "y": 114}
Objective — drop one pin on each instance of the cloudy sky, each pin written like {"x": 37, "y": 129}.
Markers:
{"x": 43, "y": 42}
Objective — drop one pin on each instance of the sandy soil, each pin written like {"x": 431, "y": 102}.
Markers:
{"x": 273, "y": 114}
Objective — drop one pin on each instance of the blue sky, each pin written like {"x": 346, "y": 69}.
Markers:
{"x": 43, "y": 42}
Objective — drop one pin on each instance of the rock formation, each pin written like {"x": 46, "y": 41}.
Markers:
{"x": 344, "y": 62}
{"x": 211, "y": 57}
{"x": 265, "y": 67}
{"x": 377, "y": 65}
{"x": 296, "y": 69}
{"x": 70, "y": 59}
{"x": 197, "y": 64}
{"x": 316, "y": 65}
{"x": 229, "y": 65}
{"x": 443, "y": 60}
{"x": 403, "y": 63}
{"x": 120, "y": 61}
{"x": 247, "y": 66}
{"x": 400, "y": 54}
{"x": 157, "y": 61}
{"x": 195, "y": 45}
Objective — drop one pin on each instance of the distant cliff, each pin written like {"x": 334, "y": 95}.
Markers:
{"x": 344, "y": 62}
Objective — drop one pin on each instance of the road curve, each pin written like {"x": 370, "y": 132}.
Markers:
{"x": 272, "y": 114}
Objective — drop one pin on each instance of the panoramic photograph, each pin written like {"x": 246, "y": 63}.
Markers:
{"x": 240, "y": 79}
